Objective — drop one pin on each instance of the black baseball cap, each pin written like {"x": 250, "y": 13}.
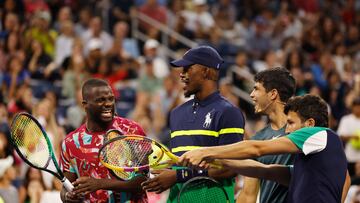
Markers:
{"x": 203, "y": 55}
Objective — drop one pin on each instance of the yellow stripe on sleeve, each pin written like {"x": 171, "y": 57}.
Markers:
{"x": 194, "y": 132}
{"x": 207, "y": 132}
{"x": 184, "y": 148}
{"x": 231, "y": 130}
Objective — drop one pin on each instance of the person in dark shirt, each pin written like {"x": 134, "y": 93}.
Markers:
{"x": 206, "y": 120}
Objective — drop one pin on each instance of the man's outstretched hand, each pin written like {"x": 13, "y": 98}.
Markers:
{"x": 198, "y": 158}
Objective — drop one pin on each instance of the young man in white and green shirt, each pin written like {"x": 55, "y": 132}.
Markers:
{"x": 319, "y": 173}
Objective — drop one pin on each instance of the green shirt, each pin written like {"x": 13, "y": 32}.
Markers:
{"x": 271, "y": 191}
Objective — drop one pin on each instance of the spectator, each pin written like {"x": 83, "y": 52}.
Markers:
{"x": 42, "y": 32}
{"x": 64, "y": 15}
{"x": 75, "y": 114}
{"x": 32, "y": 6}
{"x": 120, "y": 11}
{"x": 295, "y": 59}
{"x": 11, "y": 24}
{"x": 95, "y": 59}
{"x": 14, "y": 76}
{"x": 82, "y": 25}
{"x": 322, "y": 69}
{"x": 6, "y": 148}
{"x": 64, "y": 43}
{"x": 7, "y": 174}
{"x": 23, "y": 100}
{"x": 199, "y": 21}
{"x": 349, "y": 128}
{"x": 152, "y": 52}
{"x": 53, "y": 194}
{"x": 44, "y": 112}
{"x": 95, "y": 31}
{"x": 328, "y": 29}
{"x": 40, "y": 64}
{"x": 148, "y": 82}
{"x": 33, "y": 178}
{"x": 12, "y": 48}
{"x": 259, "y": 39}
{"x": 123, "y": 46}
{"x": 74, "y": 71}
{"x": 155, "y": 11}
{"x": 342, "y": 60}
{"x": 224, "y": 13}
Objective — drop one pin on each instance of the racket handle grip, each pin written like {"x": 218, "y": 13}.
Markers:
{"x": 216, "y": 164}
{"x": 67, "y": 184}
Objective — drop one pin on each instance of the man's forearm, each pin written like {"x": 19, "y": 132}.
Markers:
{"x": 250, "y": 149}
{"x": 221, "y": 173}
{"x": 346, "y": 187}
{"x": 249, "y": 192}
{"x": 251, "y": 168}
{"x": 240, "y": 150}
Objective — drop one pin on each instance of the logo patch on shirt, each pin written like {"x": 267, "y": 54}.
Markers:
{"x": 208, "y": 120}
{"x": 275, "y": 136}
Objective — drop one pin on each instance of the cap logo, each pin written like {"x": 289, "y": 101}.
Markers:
{"x": 187, "y": 52}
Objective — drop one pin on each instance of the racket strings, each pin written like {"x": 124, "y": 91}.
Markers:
{"x": 127, "y": 153}
{"x": 30, "y": 141}
{"x": 202, "y": 191}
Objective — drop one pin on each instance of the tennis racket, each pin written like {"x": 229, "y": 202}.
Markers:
{"x": 133, "y": 153}
{"x": 202, "y": 190}
{"x": 121, "y": 175}
{"x": 34, "y": 147}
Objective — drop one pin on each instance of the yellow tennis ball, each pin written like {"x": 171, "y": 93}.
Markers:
{"x": 355, "y": 142}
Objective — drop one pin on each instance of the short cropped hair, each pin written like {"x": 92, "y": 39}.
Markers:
{"x": 279, "y": 79}
{"x": 309, "y": 106}
{"x": 94, "y": 82}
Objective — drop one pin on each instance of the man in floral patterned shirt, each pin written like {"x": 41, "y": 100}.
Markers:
{"x": 79, "y": 157}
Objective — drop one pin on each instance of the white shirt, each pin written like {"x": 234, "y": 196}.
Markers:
{"x": 105, "y": 38}
{"x": 349, "y": 125}
{"x": 63, "y": 48}
{"x": 204, "y": 19}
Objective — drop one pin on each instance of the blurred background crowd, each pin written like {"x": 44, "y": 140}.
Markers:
{"x": 49, "y": 47}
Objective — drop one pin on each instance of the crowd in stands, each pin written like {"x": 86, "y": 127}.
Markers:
{"x": 49, "y": 48}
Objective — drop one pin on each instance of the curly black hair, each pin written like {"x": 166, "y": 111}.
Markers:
{"x": 309, "y": 106}
{"x": 279, "y": 79}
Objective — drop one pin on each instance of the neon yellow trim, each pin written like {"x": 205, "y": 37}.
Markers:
{"x": 231, "y": 130}
{"x": 207, "y": 132}
{"x": 185, "y": 148}
{"x": 194, "y": 132}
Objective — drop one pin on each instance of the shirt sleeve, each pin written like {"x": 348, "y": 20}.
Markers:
{"x": 64, "y": 158}
{"x": 231, "y": 126}
{"x": 309, "y": 140}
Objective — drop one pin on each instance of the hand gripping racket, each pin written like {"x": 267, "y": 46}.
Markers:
{"x": 34, "y": 147}
{"x": 202, "y": 190}
{"x": 132, "y": 153}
